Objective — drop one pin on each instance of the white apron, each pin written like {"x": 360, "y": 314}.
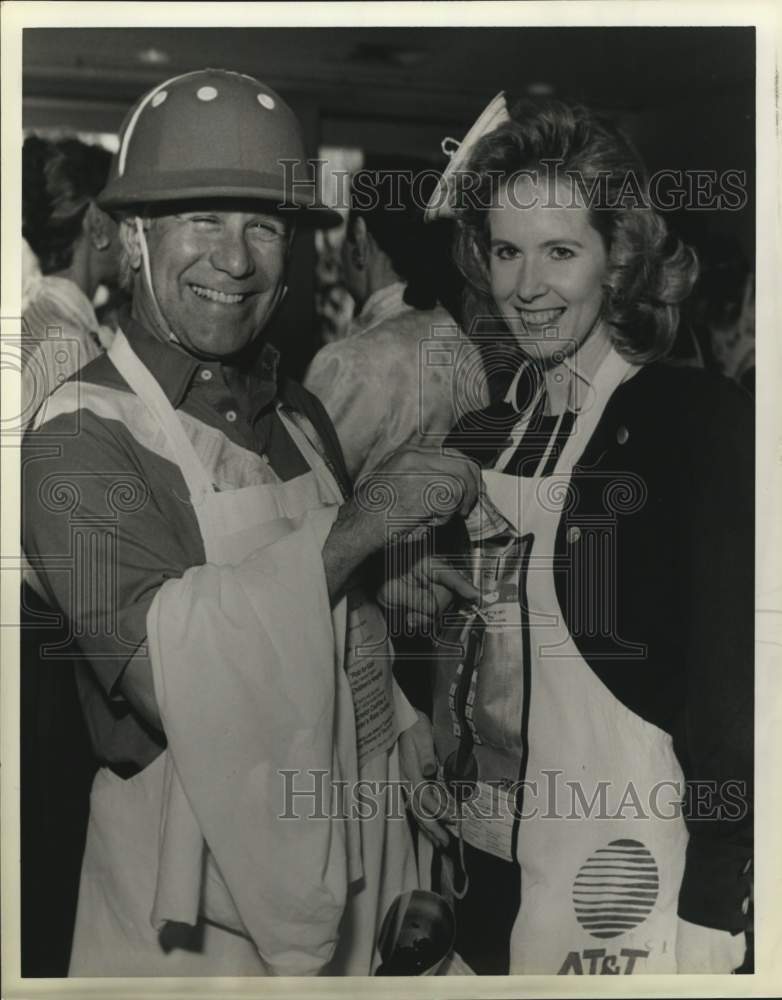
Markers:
{"x": 139, "y": 830}
{"x": 598, "y": 894}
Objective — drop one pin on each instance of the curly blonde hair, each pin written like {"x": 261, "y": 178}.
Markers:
{"x": 650, "y": 271}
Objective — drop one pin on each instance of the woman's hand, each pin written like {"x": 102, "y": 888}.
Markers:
{"x": 418, "y": 766}
{"x": 706, "y": 950}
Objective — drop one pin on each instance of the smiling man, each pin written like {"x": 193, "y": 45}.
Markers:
{"x": 218, "y": 272}
{"x": 188, "y": 514}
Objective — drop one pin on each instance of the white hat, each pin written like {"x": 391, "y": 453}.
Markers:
{"x": 441, "y": 203}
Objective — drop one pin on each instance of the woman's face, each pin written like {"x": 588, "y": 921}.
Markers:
{"x": 547, "y": 267}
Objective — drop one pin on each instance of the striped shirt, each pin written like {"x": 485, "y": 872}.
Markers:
{"x": 60, "y": 335}
{"x": 106, "y": 517}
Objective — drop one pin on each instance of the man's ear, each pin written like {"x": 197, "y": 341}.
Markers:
{"x": 99, "y": 227}
{"x": 131, "y": 242}
{"x": 359, "y": 240}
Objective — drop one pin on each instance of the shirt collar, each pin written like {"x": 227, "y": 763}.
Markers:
{"x": 380, "y": 306}
{"x": 174, "y": 369}
{"x": 529, "y": 385}
{"x": 526, "y": 387}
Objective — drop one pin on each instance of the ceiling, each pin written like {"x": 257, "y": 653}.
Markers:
{"x": 421, "y": 74}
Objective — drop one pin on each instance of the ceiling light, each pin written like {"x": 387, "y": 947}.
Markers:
{"x": 540, "y": 89}
{"x": 384, "y": 54}
{"x": 153, "y": 57}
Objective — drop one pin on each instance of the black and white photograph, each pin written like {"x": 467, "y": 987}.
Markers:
{"x": 391, "y": 552}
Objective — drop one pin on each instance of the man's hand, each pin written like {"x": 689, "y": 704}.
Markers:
{"x": 418, "y": 765}
{"x": 416, "y": 486}
{"x": 412, "y": 488}
{"x": 706, "y": 950}
{"x": 425, "y": 592}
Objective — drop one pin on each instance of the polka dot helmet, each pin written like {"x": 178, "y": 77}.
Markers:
{"x": 214, "y": 134}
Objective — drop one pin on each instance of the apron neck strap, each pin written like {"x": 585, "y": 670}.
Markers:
{"x": 309, "y": 450}
{"x": 612, "y": 372}
{"x": 143, "y": 383}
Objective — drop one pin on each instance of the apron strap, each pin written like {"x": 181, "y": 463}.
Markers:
{"x": 148, "y": 390}
{"x": 502, "y": 489}
{"x": 612, "y": 372}
{"x": 311, "y": 454}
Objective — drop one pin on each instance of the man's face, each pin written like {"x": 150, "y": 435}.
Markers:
{"x": 217, "y": 275}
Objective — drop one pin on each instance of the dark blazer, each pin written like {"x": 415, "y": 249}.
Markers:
{"x": 654, "y": 569}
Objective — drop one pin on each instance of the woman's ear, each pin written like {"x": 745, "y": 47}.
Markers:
{"x": 131, "y": 243}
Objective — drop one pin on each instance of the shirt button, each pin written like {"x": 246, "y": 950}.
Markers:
{"x": 573, "y": 534}
{"x": 622, "y": 435}
{"x": 206, "y": 374}
{"x": 745, "y": 906}
{"x": 231, "y": 416}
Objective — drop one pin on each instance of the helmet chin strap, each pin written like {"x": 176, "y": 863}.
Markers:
{"x": 282, "y": 288}
{"x": 279, "y": 297}
{"x": 148, "y": 278}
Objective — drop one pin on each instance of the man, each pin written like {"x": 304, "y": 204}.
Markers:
{"x": 186, "y": 512}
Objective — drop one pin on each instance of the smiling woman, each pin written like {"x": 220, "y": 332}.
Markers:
{"x": 564, "y": 173}
{"x": 613, "y": 548}
{"x": 547, "y": 268}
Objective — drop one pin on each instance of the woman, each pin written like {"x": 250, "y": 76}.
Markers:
{"x": 77, "y": 250}
{"x": 607, "y": 675}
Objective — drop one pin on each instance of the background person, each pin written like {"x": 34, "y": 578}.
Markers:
{"x": 77, "y": 250}
{"x": 722, "y": 311}
{"x": 405, "y": 370}
{"x": 614, "y": 552}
